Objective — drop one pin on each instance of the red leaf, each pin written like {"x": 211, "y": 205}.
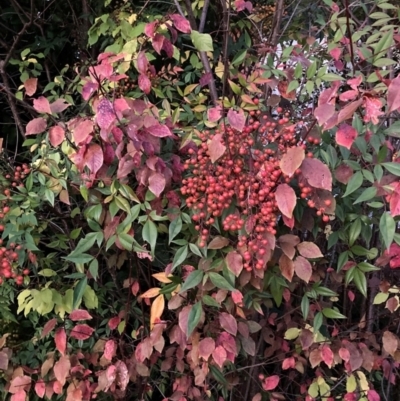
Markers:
{"x": 81, "y": 332}
{"x": 292, "y": 160}
{"x": 219, "y": 355}
{"x": 80, "y": 314}
{"x": 343, "y": 173}
{"x": 327, "y": 355}
{"x": 82, "y": 131}
{"x": 109, "y": 349}
{"x": 228, "y": 323}
{"x": 242, "y": 5}
{"x": 142, "y": 62}
{"x": 75, "y": 395}
{"x": 237, "y": 297}
{"x": 56, "y": 135}
{"x": 214, "y": 114}
{"x": 324, "y": 112}
{"x": 158, "y": 42}
{"x": 344, "y": 353}
{"x": 348, "y": 95}
{"x": 286, "y": 199}
{"x": 156, "y": 184}
{"x": 216, "y": 147}
{"x": 206, "y": 348}
{"x": 270, "y": 383}
{"x": 150, "y": 28}
{"x": 393, "y": 95}
{"x": 236, "y": 119}
{"x": 205, "y": 79}
{"x": 59, "y": 106}
{"x": 19, "y": 396}
{"x": 181, "y": 23}
{"x": 373, "y": 110}
{"x": 288, "y": 363}
{"x": 346, "y": 135}
{"x": 20, "y": 383}
{"x": 336, "y": 53}
{"x": 42, "y": 105}
{"x": 159, "y": 130}
{"x": 144, "y": 83}
{"x": 40, "y": 388}
{"x": 234, "y": 262}
{"x": 114, "y": 322}
{"x": 317, "y": 174}
{"x": 309, "y": 250}
{"x": 30, "y": 86}
{"x": 373, "y": 396}
{"x": 351, "y": 295}
{"x": 288, "y": 222}
{"x": 60, "y": 339}
{"x": 287, "y": 267}
{"x": 48, "y": 327}
{"x": 36, "y": 126}
{"x": 347, "y": 112}
{"x": 61, "y": 369}
{"x": 105, "y": 114}
{"x": 303, "y": 268}
{"x": 94, "y": 158}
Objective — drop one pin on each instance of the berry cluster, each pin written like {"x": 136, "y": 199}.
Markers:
{"x": 239, "y": 187}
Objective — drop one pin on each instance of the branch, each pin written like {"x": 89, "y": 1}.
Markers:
{"x": 277, "y": 22}
{"x": 204, "y": 16}
{"x": 226, "y": 23}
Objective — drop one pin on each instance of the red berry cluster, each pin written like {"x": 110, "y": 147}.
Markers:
{"x": 9, "y": 254}
{"x": 240, "y": 185}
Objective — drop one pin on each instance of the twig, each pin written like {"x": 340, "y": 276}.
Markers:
{"x": 277, "y": 22}
{"x": 226, "y": 22}
{"x": 346, "y": 4}
{"x": 204, "y": 16}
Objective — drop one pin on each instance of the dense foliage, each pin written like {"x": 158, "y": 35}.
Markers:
{"x": 205, "y": 205}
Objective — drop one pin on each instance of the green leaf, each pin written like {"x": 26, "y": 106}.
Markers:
{"x": 392, "y": 167}
{"x": 318, "y": 320}
{"x": 387, "y": 227}
{"x": 326, "y": 292}
{"x": 354, "y": 183}
{"x": 360, "y": 281}
{"x": 79, "y": 290}
{"x": 85, "y": 243}
{"x": 202, "y": 41}
{"x": 305, "y": 306}
{"x": 192, "y": 280}
{"x": 81, "y": 258}
{"x": 179, "y": 257}
{"x": 330, "y": 77}
{"x": 366, "y": 195}
{"x": 210, "y": 301}
{"x": 393, "y": 130}
{"x": 354, "y": 231}
{"x": 94, "y": 269}
{"x": 194, "y": 317}
{"x": 220, "y": 282}
{"x": 239, "y": 57}
{"x": 175, "y": 228}
{"x": 149, "y": 234}
{"x": 332, "y": 314}
{"x": 366, "y": 267}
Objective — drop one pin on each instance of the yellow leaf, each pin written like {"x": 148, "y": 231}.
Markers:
{"x": 351, "y": 384}
{"x": 162, "y": 277}
{"x": 157, "y": 308}
{"x": 292, "y": 333}
{"x": 380, "y": 298}
{"x": 362, "y": 381}
{"x": 151, "y": 293}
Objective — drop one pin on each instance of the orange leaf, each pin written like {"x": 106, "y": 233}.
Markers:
{"x": 292, "y": 160}
{"x": 151, "y": 293}
{"x": 157, "y": 308}
{"x": 286, "y": 199}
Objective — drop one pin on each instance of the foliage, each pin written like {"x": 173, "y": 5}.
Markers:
{"x": 188, "y": 213}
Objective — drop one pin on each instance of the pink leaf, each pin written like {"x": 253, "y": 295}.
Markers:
{"x": 48, "y": 327}
{"x": 94, "y": 158}
{"x": 109, "y": 349}
{"x": 214, "y": 114}
{"x": 237, "y": 297}
{"x": 286, "y": 199}
{"x": 61, "y": 369}
{"x": 373, "y": 396}
{"x": 20, "y": 383}
{"x": 159, "y": 131}
{"x": 158, "y": 42}
{"x": 56, "y": 135}
{"x": 292, "y": 160}
{"x": 114, "y": 322}
{"x": 144, "y": 83}
{"x": 348, "y": 111}
{"x": 81, "y": 332}
{"x": 206, "y": 348}
{"x": 19, "y": 396}
{"x": 343, "y": 173}
{"x": 348, "y": 95}
{"x": 40, "y": 388}
{"x": 351, "y": 295}
{"x": 30, "y": 86}
{"x": 150, "y": 28}
{"x": 105, "y": 114}
{"x": 241, "y": 5}
{"x": 327, "y": 355}
{"x": 336, "y": 53}
{"x": 59, "y": 106}
{"x": 346, "y": 135}
{"x": 219, "y": 355}
{"x": 288, "y": 363}
{"x": 234, "y": 262}
{"x": 216, "y": 147}
{"x": 303, "y": 268}
{"x": 167, "y": 47}
{"x": 236, "y": 119}
{"x": 123, "y": 375}
{"x": 82, "y": 131}
{"x": 75, "y": 395}
{"x": 156, "y": 184}
{"x": 42, "y": 105}
{"x": 88, "y": 89}
{"x": 181, "y": 23}
{"x": 373, "y": 110}
{"x": 228, "y": 323}
{"x": 36, "y": 126}
{"x": 60, "y": 339}
{"x": 317, "y": 174}
{"x": 270, "y": 383}
{"x": 142, "y": 62}
{"x": 80, "y": 314}
{"x": 324, "y": 112}
{"x": 309, "y": 250}
{"x": 205, "y": 79}
{"x": 393, "y": 95}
